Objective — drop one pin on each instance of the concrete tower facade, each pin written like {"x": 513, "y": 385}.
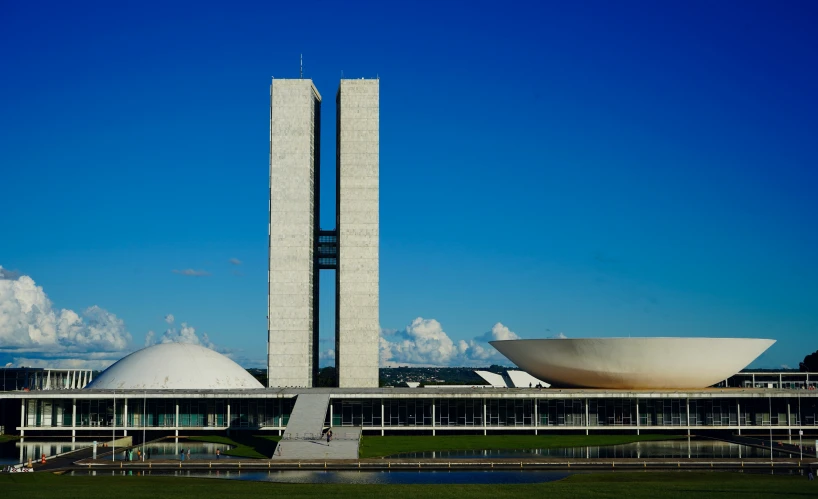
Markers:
{"x": 295, "y": 124}
{"x": 357, "y": 279}
{"x": 299, "y": 249}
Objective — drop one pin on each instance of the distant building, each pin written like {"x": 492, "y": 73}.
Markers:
{"x": 37, "y": 378}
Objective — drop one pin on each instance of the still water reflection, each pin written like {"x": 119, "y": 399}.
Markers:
{"x": 365, "y": 477}
{"x": 19, "y": 452}
{"x": 173, "y": 450}
{"x": 681, "y": 449}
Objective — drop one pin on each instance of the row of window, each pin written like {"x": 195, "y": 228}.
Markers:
{"x": 422, "y": 412}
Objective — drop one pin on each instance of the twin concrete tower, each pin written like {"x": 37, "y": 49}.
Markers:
{"x": 299, "y": 248}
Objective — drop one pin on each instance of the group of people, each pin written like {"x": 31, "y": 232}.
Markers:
{"x": 140, "y": 456}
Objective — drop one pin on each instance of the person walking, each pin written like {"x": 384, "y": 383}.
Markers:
{"x": 182, "y": 455}
{"x": 217, "y": 454}
{"x": 328, "y": 437}
{"x": 188, "y": 454}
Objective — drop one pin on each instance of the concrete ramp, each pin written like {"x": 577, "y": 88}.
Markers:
{"x": 304, "y": 437}
{"x": 344, "y": 445}
{"x": 308, "y": 416}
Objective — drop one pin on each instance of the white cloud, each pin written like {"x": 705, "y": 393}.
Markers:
{"x": 559, "y": 336}
{"x": 184, "y": 334}
{"x": 326, "y": 357}
{"x": 235, "y": 261}
{"x": 191, "y": 272}
{"x": 424, "y": 342}
{"x": 29, "y": 323}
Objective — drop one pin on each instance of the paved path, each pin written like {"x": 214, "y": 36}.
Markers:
{"x": 308, "y": 416}
{"x": 343, "y": 446}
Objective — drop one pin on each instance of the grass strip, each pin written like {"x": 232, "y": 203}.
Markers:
{"x": 373, "y": 446}
{"x": 244, "y": 445}
{"x": 8, "y": 438}
{"x": 718, "y": 485}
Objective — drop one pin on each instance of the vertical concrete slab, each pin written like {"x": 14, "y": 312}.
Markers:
{"x": 294, "y": 126}
{"x": 357, "y": 163}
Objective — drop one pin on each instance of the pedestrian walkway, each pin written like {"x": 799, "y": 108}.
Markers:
{"x": 344, "y": 445}
{"x": 308, "y": 416}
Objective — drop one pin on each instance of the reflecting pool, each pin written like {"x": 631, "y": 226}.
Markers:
{"x": 362, "y": 477}
{"x": 676, "y": 449}
{"x": 19, "y": 452}
{"x": 172, "y": 450}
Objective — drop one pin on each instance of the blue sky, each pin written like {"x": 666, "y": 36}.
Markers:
{"x": 590, "y": 169}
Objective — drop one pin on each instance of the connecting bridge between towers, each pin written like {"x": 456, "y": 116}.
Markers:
{"x": 326, "y": 250}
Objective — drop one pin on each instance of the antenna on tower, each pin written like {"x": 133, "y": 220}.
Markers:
{"x": 301, "y": 73}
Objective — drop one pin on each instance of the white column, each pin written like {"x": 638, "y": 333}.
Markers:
{"x": 90, "y": 376}
{"x": 22, "y": 417}
{"x": 687, "y": 411}
{"x": 536, "y": 416}
{"x": 176, "y": 421}
{"x": 485, "y": 419}
{"x": 587, "y": 416}
{"x": 637, "y": 416}
{"x": 738, "y": 408}
{"x": 227, "y": 423}
{"x": 331, "y": 414}
{"x": 74, "y": 420}
{"x": 789, "y": 423}
{"x": 48, "y": 380}
{"x": 382, "y": 421}
{"x": 125, "y": 419}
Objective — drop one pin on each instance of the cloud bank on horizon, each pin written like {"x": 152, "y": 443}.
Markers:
{"x": 34, "y": 333}
{"x": 185, "y": 334}
{"x": 424, "y": 343}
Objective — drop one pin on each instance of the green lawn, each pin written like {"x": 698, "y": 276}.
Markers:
{"x": 599, "y": 485}
{"x": 387, "y": 446}
{"x": 252, "y": 446}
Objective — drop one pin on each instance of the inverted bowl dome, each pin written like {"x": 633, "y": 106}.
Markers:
{"x": 633, "y": 363}
{"x": 174, "y": 366}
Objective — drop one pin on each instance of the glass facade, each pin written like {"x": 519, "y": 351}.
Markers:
{"x": 451, "y": 412}
{"x": 159, "y": 413}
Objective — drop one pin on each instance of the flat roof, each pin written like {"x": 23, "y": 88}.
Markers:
{"x": 416, "y": 393}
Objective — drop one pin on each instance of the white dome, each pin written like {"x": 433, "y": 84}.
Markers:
{"x": 174, "y": 366}
{"x": 633, "y": 363}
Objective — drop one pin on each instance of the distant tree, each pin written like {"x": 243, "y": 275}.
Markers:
{"x": 810, "y": 363}
{"x": 327, "y": 377}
